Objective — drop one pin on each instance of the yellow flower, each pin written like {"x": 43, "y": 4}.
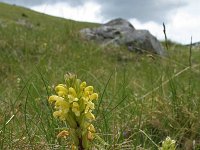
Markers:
{"x": 88, "y": 91}
{"x": 89, "y": 106}
{"x": 62, "y": 105}
{"x": 59, "y": 114}
{"x": 61, "y": 90}
{"x": 83, "y": 85}
{"x": 76, "y": 109}
{"x": 89, "y": 116}
{"x": 72, "y": 99}
{"x": 63, "y": 134}
{"x": 72, "y": 95}
{"x": 91, "y": 131}
{"x": 85, "y": 99}
{"x": 54, "y": 98}
{"x": 90, "y": 136}
{"x": 89, "y": 88}
{"x": 94, "y": 96}
{"x": 91, "y": 128}
{"x": 74, "y": 105}
{"x": 168, "y": 143}
{"x": 74, "y": 147}
{"x": 89, "y": 95}
{"x": 72, "y": 92}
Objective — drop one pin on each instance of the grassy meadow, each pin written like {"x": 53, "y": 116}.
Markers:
{"x": 142, "y": 98}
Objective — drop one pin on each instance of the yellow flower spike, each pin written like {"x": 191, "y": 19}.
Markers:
{"x": 54, "y": 98}
{"x": 76, "y": 109}
{"x": 63, "y": 134}
{"x": 94, "y": 96}
{"x": 74, "y": 105}
{"x": 89, "y": 116}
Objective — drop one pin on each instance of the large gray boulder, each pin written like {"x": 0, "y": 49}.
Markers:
{"x": 120, "y": 32}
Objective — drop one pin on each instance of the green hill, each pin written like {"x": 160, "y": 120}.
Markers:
{"x": 143, "y": 98}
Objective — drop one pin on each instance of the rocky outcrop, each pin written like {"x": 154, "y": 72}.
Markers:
{"x": 120, "y": 32}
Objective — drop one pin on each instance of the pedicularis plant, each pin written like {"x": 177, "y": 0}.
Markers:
{"x": 74, "y": 105}
{"x": 168, "y": 144}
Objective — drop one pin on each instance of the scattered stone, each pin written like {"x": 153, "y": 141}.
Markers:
{"x": 120, "y": 32}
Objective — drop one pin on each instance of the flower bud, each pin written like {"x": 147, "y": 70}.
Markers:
{"x": 63, "y": 134}
{"x": 54, "y": 98}
{"x": 89, "y": 88}
{"x": 76, "y": 109}
{"x": 91, "y": 128}
{"x": 72, "y": 92}
{"x": 94, "y": 96}
{"x": 83, "y": 85}
{"x": 61, "y": 90}
{"x": 90, "y": 116}
{"x": 90, "y": 136}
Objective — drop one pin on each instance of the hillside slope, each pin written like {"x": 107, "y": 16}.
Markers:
{"x": 28, "y": 38}
{"x": 142, "y": 98}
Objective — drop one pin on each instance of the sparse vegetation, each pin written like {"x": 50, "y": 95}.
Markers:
{"x": 142, "y": 98}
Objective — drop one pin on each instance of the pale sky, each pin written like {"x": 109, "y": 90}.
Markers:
{"x": 181, "y": 17}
